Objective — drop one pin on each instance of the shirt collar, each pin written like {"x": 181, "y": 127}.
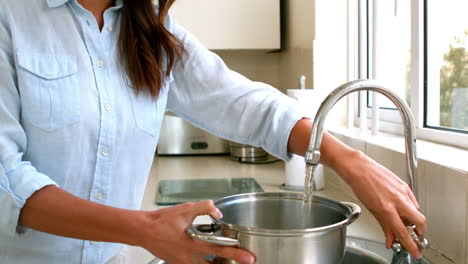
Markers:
{"x": 57, "y": 3}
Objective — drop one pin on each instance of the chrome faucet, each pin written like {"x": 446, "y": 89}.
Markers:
{"x": 312, "y": 156}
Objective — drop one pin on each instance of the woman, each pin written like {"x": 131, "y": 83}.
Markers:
{"x": 84, "y": 85}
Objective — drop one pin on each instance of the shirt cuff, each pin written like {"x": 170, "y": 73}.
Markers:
{"x": 290, "y": 115}
{"x": 15, "y": 188}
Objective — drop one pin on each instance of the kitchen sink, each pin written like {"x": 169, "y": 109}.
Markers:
{"x": 353, "y": 256}
{"x": 376, "y": 248}
{"x": 172, "y": 192}
{"x": 358, "y": 251}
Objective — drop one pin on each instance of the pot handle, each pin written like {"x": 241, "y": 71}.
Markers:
{"x": 355, "y": 212}
{"x": 202, "y": 232}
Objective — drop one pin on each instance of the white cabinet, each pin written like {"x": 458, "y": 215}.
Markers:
{"x": 231, "y": 24}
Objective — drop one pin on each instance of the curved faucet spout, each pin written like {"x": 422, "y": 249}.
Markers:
{"x": 313, "y": 154}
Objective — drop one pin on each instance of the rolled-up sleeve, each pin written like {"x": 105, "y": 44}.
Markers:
{"x": 208, "y": 94}
{"x": 18, "y": 178}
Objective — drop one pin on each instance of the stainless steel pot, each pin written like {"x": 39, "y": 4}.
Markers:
{"x": 247, "y": 153}
{"x": 279, "y": 228}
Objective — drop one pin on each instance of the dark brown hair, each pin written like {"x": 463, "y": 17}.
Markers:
{"x": 148, "y": 51}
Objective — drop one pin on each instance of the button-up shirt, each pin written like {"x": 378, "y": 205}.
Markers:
{"x": 70, "y": 117}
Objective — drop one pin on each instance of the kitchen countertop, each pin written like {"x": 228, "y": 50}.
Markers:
{"x": 269, "y": 176}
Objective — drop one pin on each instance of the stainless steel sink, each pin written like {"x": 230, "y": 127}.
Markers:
{"x": 358, "y": 251}
{"x": 172, "y": 192}
{"x": 356, "y": 255}
{"x": 353, "y": 256}
{"x": 375, "y": 248}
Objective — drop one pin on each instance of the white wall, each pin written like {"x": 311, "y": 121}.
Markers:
{"x": 255, "y": 65}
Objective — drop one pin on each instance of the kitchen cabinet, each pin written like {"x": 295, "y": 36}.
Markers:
{"x": 231, "y": 24}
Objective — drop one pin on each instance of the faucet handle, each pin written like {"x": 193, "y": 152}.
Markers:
{"x": 422, "y": 242}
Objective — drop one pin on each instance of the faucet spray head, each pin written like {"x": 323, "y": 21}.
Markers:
{"x": 312, "y": 157}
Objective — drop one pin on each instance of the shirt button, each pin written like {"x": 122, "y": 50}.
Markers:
{"x": 108, "y": 107}
{"x": 109, "y": 28}
{"x": 98, "y": 196}
{"x": 100, "y": 63}
{"x": 105, "y": 152}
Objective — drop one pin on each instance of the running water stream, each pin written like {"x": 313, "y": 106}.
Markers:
{"x": 309, "y": 182}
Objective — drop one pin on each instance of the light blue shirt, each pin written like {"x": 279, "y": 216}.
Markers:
{"x": 69, "y": 117}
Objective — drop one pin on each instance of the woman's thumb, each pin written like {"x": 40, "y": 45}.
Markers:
{"x": 205, "y": 208}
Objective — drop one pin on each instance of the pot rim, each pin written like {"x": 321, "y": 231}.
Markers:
{"x": 350, "y": 210}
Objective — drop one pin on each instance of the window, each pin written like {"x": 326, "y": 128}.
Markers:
{"x": 446, "y": 64}
{"x": 419, "y": 49}
{"x": 390, "y": 40}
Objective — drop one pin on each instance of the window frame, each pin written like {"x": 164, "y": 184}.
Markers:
{"x": 426, "y": 72}
{"x": 389, "y": 120}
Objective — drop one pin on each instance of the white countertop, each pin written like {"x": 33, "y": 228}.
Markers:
{"x": 269, "y": 176}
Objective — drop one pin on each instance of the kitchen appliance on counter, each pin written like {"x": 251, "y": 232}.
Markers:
{"x": 171, "y": 192}
{"x": 247, "y": 154}
{"x": 179, "y": 137}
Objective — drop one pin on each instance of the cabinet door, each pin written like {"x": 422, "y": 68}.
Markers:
{"x": 231, "y": 24}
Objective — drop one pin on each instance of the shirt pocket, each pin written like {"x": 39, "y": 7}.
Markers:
{"x": 49, "y": 88}
{"x": 149, "y": 112}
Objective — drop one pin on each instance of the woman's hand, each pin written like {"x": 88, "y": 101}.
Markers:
{"x": 389, "y": 198}
{"x": 167, "y": 238}
{"x": 382, "y": 192}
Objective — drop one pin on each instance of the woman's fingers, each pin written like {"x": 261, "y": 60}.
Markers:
{"x": 413, "y": 216}
{"x": 235, "y": 254}
{"x": 232, "y": 253}
{"x": 176, "y": 246}
{"x": 387, "y": 197}
{"x": 401, "y": 232}
{"x": 203, "y": 261}
{"x": 192, "y": 210}
{"x": 412, "y": 198}
{"x": 202, "y": 208}
{"x": 390, "y": 239}
{"x": 226, "y": 252}
{"x": 387, "y": 229}
{"x": 404, "y": 213}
